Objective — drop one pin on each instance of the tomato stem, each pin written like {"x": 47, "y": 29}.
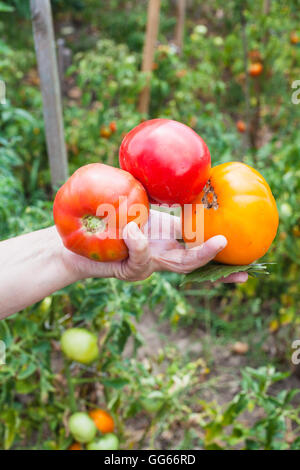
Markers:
{"x": 93, "y": 224}
{"x": 70, "y": 384}
{"x": 210, "y": 199}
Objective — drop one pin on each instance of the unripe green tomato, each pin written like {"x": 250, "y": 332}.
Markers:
{"x": 79, "y": 345}
{"x": 286, "y": 210}
{"x": 107, "y": 442}
{"x": 152, "y": 402}
{"x": 82, "y": 427}
{"x": 45, "y": 305}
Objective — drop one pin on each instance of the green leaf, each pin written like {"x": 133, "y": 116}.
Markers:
{"x": 25, "y": 387}
{"x": 214, "y": 271}
{"x": 6, "y": 8}
{"x": 12, "y": 422}
{"x": 26, "y": 371}
{"x": 114, "y": 383}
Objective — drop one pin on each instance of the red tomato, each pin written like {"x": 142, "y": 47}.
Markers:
{"x": 241, "y": 126}
{"x": 113, "y": 126}
{"x": 89, "y": 215}
{"x": 168, "y": 158}
{"x": 255, "y": 69}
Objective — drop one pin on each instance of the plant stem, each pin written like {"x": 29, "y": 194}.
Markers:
{"x": 71, "y": 390}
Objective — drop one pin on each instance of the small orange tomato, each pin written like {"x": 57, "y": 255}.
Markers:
{"x": 113, "y": 126}
{"x": 241, "y": 126}
{"x": 296, "y": 231}
{"x": 103, "y": 420}
{"x": 255, "y": 69}
{"x": 238, "y": 204}
{"x": 294, "y": 39}
{"x": 105, "y": 132}
{"x": 75, "y": 446}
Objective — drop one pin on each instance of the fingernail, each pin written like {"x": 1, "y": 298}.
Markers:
{"x": 135, "y": 231}
{"x": 221, "y": 242}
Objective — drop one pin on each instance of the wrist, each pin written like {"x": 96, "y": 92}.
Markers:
{"x": 66, "y": 263}
{"x": 78, "y": 267}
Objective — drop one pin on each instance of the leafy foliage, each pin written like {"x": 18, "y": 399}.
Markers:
{"x": 170, "y": 388}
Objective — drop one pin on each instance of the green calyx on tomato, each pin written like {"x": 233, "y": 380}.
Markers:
{"x": 80, "y": 345}
{"x": 107, "y": 442}
{"x": 82, "y": 427}
{"x": 93, "y": 224}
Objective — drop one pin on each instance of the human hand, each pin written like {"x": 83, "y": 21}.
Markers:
{"x": 147, "y": 255}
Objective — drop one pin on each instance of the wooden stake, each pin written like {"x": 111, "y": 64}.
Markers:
{"x": 247, "y": 83}
{"x": 52, "y": 108}
{"x": 64, "y": 60}
{"x": 149, "y": 49}
{"x": 179, "y": 32}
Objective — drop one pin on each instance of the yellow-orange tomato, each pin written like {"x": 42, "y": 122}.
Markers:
{"x": 105, "y": 132}
{"x": 294, "y": 38}
{"x": 238, "y": 204}
{"x": 255, "y": 69}
{"x": 75, "y": 446}
{"x": 103, "y": 421}
{"x": 241, "y": 126}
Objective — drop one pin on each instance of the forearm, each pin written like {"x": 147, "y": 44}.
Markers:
{"x": 32, "y": 267}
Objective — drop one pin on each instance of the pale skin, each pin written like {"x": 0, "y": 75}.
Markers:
{"x": 37, "y": 264}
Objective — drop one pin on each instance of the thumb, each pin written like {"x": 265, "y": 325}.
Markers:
{"x": 137, "y": 244}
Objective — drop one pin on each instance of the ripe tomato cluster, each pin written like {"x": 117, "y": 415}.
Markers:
{"x": 85, "y": 426}
{"x": 166, "y": 162}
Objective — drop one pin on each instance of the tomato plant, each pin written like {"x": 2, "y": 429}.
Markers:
{"x": 103, "y": 420}
{"x": 205, "y": 87}
{"x": 82, "y": 427}
{"x": 238, "y": 204}
{"x": 92, "y": 208}
{"x": 168, "y": 158}
{"x": 78, "y": 344}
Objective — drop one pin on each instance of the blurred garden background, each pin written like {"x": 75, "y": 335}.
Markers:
{"x": 196, "y": 367}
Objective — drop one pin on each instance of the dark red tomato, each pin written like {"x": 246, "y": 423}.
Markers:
{"x": 90, "y": 216}
{"x": 170, "y": 160}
